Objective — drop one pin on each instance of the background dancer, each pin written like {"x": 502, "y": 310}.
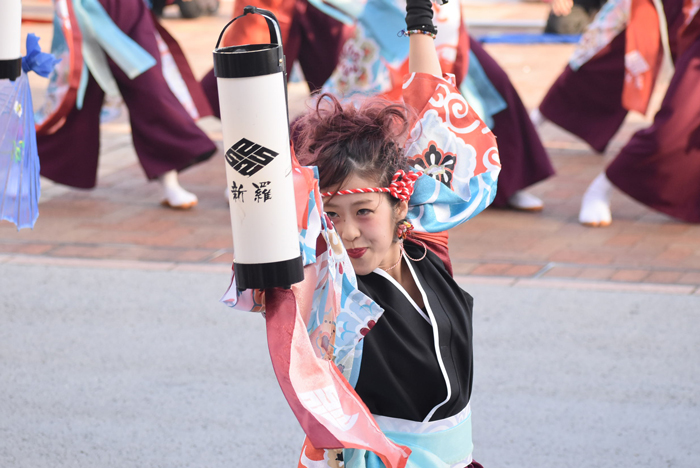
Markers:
{"x": 120, "y": 51}
{"x": 660, "y": 165}
{"x": 596, "y": 90}
{"x": 587, "y": 98}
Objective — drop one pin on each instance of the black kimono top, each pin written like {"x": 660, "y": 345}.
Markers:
{"x": 417, "y": 363}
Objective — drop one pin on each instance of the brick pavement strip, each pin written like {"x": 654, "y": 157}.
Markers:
{"x": 663, "y": 277}
{"x": 630, "y": 275}
{"x": 690, "y": 278}
{"x": 522, "y": 270}
{"x": 597, "y": 274}
{"x": 120, "y": 221}
{"x": 491, "y": 269}
{"x": 563, "y": 272}
{"x": 29, "y": 249}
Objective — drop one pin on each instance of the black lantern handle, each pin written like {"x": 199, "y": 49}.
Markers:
{"x": 272, "y": 24}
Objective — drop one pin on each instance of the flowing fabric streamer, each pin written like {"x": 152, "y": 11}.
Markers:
{"x": 327, "y": 407}
{"x": 63, "y": 86}
{"x": 19, "y": 161}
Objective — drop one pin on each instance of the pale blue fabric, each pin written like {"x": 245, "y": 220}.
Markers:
{"x": 102, "y": 38}
{"x": 381, "y": 21}
{"x": 344, "y": 11}
{"x": 528, "y": 38}
{"x": 82, "y": 87}
{"x": 480, "y": 93}
{"x": 435, "y": 450}
{"x": 430, "y": 213}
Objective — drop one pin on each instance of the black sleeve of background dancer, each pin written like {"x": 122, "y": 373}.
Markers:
{"x": 419, "y": 15}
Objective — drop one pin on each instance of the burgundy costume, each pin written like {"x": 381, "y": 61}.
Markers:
{"x": 660, "y": 165}
{"x": 164, "y": 134}
{"x": 525, "y": 161}
{"x": 588, "y": 102}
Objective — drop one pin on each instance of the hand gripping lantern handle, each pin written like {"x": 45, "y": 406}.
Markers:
{"x": 252, "y": 86}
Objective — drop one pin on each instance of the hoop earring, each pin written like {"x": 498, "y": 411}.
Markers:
{"x": 415, "y": 259}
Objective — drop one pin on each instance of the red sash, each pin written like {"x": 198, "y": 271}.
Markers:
{"x": 200, "y": 100}
{"x": 643, "y": 55}
{"x": 74, "y": 39}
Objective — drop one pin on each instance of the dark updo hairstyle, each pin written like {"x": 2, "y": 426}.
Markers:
{"x": 345, "y": 139}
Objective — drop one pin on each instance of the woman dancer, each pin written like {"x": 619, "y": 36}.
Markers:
{"x": 660, "y": 165}
{"x": 402, "y": 337}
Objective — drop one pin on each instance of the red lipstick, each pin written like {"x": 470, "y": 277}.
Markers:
{"x": 357, "y": 253}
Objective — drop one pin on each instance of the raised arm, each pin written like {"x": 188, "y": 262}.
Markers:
{"x": 449, "y": 143}
{"x": 422, "y": 57}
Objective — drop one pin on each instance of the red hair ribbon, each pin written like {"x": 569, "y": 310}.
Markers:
{"x": 401, "y": 186}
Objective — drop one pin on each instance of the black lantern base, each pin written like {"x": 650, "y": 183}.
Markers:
{"x": 268, "y": 275}
{"x": 10, "y": 69}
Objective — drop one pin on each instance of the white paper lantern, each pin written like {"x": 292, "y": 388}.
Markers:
{"x": 254, "y": 117}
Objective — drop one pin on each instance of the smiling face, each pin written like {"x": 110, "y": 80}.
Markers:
{"x": 366, "y": 223}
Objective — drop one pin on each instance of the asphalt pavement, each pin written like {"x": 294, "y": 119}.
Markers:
{"x": 134, "y": 367}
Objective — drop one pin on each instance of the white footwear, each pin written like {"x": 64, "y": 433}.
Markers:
{"x": 536, "y": 117}
{"x": 176, "y": 197}
{"x": 525, "y": 202}
{"x": 595, "y": 205}
{"x": 111, "y": 109}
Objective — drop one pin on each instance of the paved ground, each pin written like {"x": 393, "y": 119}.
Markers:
{"x": 105, "y": 367}
{"x": 586, "y": 339}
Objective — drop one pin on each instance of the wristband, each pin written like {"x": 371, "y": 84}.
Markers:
{"x": 411, "y": 32}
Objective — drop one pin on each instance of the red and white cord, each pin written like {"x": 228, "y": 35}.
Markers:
{"x": 401, "y": 186}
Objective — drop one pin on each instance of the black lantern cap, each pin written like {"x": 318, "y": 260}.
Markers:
{"x": 10, "y": 69}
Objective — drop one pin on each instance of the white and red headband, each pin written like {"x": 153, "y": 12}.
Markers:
{"x": 401, "y": 186}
